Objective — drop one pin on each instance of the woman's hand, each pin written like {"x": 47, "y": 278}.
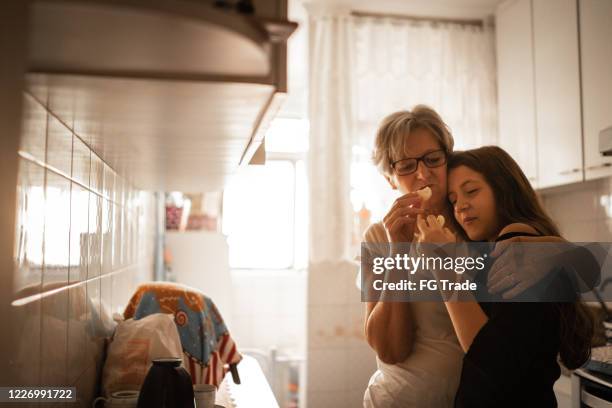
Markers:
{"x": 518, "y": 266}
{"x": 400, "y": 221}
{"x": 432, "y": 230}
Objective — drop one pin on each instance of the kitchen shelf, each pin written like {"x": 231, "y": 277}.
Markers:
{"x": 174, "y": 94}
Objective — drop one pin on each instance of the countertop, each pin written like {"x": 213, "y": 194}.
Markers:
{"x": 253, "y": 392}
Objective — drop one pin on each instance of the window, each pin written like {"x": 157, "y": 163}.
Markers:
{"x": 265, "y": 208}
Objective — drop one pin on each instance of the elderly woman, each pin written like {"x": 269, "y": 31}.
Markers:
{"x": 418, "y": 354}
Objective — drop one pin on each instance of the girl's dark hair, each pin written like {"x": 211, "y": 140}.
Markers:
{"x": 516, "y": 201}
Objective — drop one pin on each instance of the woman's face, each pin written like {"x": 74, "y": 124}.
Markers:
{"x": 418, "y": 143}
{"x": 473, "y": 203}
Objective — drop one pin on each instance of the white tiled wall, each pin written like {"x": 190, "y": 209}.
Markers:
{"x": 339, "y": 360}
{"x": 583, "y": 211}
{"x": 83, "y": 240}
{"x": 269, "y": 310}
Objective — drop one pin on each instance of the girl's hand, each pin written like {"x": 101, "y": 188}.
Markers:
{"x": 400, "y": 221}
{"x": 432, "y": 230}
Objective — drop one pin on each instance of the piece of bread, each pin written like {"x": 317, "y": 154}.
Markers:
{"x": 424, "y": 193}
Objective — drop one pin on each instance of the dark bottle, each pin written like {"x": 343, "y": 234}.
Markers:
{"x": 167, "y": 385}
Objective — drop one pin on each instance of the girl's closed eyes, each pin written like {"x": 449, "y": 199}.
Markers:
{"x": 473, "y": 203}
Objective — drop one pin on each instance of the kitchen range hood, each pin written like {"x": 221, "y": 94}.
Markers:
{"x": 175, "y": 94}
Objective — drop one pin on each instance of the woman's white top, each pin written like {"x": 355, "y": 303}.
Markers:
{"x": 429, "y": 377}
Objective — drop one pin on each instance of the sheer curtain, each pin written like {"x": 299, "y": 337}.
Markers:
{"x": 451, "y": 67}
{"x": 332, "y": 129}
{"x": 400, "y": 63}
{"x": 363, "y": 68}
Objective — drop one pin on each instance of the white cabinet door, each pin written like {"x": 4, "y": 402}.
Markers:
{"x": 516, "y": 96}
{"x": 596, "y": 59}
{"x": 557, "y": 86}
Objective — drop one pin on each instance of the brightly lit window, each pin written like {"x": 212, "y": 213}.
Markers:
{"x": 265, "y": 207}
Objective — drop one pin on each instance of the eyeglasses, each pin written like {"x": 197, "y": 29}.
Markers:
{"x": 433, "y": 159}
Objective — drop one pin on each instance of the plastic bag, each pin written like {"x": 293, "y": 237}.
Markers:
{"x": 134, "y": 346}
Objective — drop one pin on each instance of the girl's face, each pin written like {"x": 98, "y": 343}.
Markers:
{"x": 473, "y": 203}
{"x": 419, "y": 143}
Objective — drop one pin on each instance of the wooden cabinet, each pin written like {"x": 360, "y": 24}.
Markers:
{"x": 596, "y": 67}
{"x": 557, "y": 92}
{"x": 516, "y": 119}
{"x": 555, "y": 87}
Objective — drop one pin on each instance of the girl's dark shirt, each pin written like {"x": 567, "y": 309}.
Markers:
{"x": 512, "y": 361}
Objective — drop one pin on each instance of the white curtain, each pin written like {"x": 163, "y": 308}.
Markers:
{"x": 451, "y": 67}
{"x": 363, "y": 68}
{"x": 332, "y": 127}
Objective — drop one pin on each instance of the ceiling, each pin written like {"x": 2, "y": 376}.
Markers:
{"x": 462, "y": 9}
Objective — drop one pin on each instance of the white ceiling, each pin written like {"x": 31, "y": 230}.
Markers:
{"x": 463, "y": 9}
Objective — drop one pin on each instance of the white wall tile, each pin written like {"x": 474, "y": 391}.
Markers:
{"x": 269, "y": 309}
{"x": 328, "y": 327}
{"x": 242, "y": 332}
{"x": 356, "y": 325}
{"x": 362, "y": 365}
{"x": 81, "y": 161}
{"x": 354, "y": 398}
{"x": 34, "y": 129}
{"x": 329, "y": 399}
{"x": 326, "y": 370}
{"x": 580, "y": 231}
{"x": 605, "y": 231}
{"x": 292, "y": 329}
{"x": 266, "y": 299}
{"x": 59, "y": 146}
{"x": 54, "y": 334}
{"x": 266, "y": 332}
{"x": 292, "y": 295}
{"x": 331, "y": 283}
{"x": 581, "y": 210}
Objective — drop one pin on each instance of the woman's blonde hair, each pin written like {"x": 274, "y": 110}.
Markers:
{"x": 393, "y": 130}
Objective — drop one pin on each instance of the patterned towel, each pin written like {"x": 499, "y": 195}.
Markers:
{"x": 207, "y": 344}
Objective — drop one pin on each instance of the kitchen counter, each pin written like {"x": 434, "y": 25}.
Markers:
{"x": 253, "y": 391}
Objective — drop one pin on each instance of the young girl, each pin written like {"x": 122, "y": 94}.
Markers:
{"x": 511, "y": 348}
